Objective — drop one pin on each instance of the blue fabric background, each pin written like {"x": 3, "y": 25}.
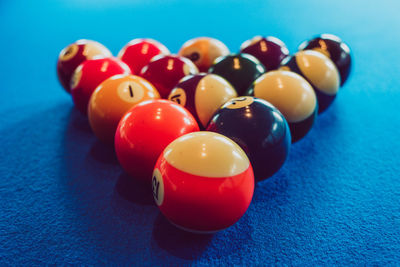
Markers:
{"x": 65, "y": 200}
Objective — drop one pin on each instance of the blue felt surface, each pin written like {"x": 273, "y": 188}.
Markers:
{"x": 65, "y": 200}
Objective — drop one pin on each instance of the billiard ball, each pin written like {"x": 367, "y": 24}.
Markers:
{"x": 165, "y": 71}
{"x": 90, "y": 74}
{"x": 203, "y": 182}
{"x": 259, "y": 129}
{"x": 238, "y": 69}
{"x": 319, "y": 71}
{"x": 270, "y": 51}
{"x": 138, "y": 52}
{"x": 292, "y": 95}
{"x": 112, "y": 99}
{"x": 203, "y": 51}
{"x": 73, "y": 55}
{"x": 145, "y": 130}
{"x": 202, "y": 94}
{"x": 334, "y": 48}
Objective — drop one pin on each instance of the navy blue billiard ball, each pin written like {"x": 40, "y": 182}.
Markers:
{"x": 238, "y": 69}
{"x": 270, "y": 51}
{"x": 334, "y": 48}
{"x": 292, "y": 95}
{"x": 319, "y": 71}
{"x": 259, "y": 129}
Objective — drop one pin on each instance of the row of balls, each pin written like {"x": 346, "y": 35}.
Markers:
{"x": 247, "y": 138}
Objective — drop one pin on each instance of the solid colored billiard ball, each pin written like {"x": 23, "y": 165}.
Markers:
{"x": 203, "y": 51}
{"x": 202, "y": 94}
{"x": 319, "y": 71}
{"x": 334, "y": 48}
{"x": 138, "y": 52}
{"x": 259, "y": 129}
{"x": 270, "y": 51}
{"x": 73, "y": 55}
{"x": 165, "y": 71}
{"x": 90, "y": 74}
{"x": 203, "y": 182}
{"x": 112, "y": 99}
{"x": 238, "y": 69}
{"x": 144, "y": 132}
{"x": 292, "y": 95}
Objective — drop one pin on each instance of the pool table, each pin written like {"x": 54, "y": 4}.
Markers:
{"x": 64, "y": 199}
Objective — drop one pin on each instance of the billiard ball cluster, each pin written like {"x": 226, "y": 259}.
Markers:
{"x": 202, "y": 140}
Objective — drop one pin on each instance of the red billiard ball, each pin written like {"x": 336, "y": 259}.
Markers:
{"x": 74, "y": 54}
{"x": 319, "y": 71}
{"x": 203, "y": 51}
{"x": 292, "y": 95}
{"x": 165, "y": 71}
{"x": 138, "y": 52}
{"x": 144, "y": 132}
{"x": 203, "y": 182}
{"x": 202, "y": 94}
{"x": 90, "y": 74}
{"x": 270, "y": 51}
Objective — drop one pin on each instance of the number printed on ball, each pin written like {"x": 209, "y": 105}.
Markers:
{"x": 158, "y": 187}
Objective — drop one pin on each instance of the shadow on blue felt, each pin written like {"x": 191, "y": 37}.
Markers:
{"x": 112, "y": 213}
{"x": 177, "y": 242}
{"x": 103, "y": 153}
{"x": 134, "y": 191}
{"x": 78, "y": 121}
{"x": 191, "y": 246}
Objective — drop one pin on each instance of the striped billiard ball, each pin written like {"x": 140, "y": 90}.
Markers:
{"x": 202, "y": 94}
{"x": 203, "y": 182}
{"x": 334, "y": 48}
{"x": 292, "y": 95}
{"x": 319, "y": 71}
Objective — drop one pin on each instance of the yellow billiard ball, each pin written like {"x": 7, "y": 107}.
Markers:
{"x": 112, "y": 99}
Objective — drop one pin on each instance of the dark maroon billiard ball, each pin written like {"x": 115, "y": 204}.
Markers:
{"x": 202, "y": 94}
{"x": 292, "y": 95}
{"x": 241, "y": 70}
{"x": 335, "y": 49}
{"x": 259, "y": 129}
{"x": 319, "y": 71}
{"x": 270, "y": 51}
{"x": 165, "y": 71}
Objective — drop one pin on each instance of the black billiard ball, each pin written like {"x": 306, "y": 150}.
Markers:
{"x": 270, "y": 51}
{"x": 334, "y": 48}
{"x": 292, "y": 95}
{"x": 238, "y": 69}
{"x": 319, "y": 71}
{"x": 259, "y": 129}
